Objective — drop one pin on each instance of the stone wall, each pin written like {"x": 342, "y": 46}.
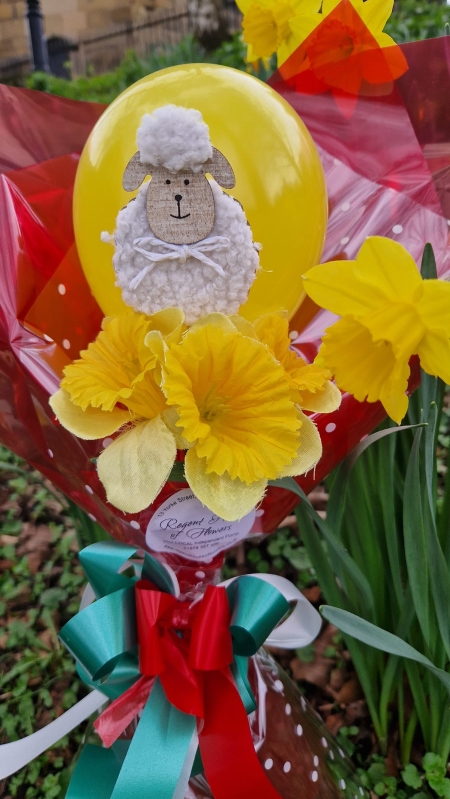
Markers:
{"x": 70, "y": 19}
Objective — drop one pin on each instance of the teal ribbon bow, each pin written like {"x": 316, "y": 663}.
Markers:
{"x": 102, "y": 637}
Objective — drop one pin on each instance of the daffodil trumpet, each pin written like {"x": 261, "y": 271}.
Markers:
{"x": 388, "y": 314}
{"x": 229, "y": 393}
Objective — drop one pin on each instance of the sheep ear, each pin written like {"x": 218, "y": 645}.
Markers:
{"x": 221, "y": 170}
{"x": 135, "y": 172}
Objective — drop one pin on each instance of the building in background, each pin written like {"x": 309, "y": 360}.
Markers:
{"x": 91, "y": 33}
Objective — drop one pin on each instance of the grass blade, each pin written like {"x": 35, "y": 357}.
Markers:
{"x": 374, "y": 636}
{"x": 415, "y": 544}
{"x": 346, "y": 563}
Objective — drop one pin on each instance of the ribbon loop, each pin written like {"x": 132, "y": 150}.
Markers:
{"x": 249, "y": 625}
{"x": 98, "y": 635}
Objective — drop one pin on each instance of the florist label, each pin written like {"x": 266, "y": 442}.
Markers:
{"x": 183, "y": 526}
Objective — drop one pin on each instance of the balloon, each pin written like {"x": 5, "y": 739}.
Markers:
{"x": 279, "y": 177}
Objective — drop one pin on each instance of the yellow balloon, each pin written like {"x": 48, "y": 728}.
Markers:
{"x": 279, "y": 177}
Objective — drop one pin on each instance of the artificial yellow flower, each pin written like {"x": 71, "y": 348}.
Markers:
{"x": 311, "y": 386}
{"x": 234, "y": 407}
{"x": 266, "y": 29}
{"x": 389, "y": 313}
{"x": 113, "y": 386}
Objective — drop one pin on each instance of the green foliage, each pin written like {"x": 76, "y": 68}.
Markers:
{"x": 383, "y": 555}
{"x": 104, "y": 88}
{"x": 413, "y": 783}
{"x": 417, "y": 19}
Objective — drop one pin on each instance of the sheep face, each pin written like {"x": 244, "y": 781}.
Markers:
{"x": 180, "y": 206}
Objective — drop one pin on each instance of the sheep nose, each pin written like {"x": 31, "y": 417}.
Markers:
{"x": 178, "y": 197}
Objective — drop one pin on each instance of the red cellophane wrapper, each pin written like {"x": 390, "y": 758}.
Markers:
{"x": 387, "y": 167}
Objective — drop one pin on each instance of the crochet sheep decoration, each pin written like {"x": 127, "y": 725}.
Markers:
{"x": 182, "y": 241}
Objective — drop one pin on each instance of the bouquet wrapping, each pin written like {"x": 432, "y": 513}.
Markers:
{"x": 386, "y": 162}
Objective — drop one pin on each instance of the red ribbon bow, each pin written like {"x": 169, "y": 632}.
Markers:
{"x": 189, "y": 648}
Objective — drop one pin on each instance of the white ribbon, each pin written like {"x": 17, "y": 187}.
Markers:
{"x": 177, "y": 252}
{"x": 298, "y": 630}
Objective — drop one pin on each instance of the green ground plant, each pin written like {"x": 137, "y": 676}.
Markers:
{"x": 105, "y": 88}
{"x": 417, "y": 19}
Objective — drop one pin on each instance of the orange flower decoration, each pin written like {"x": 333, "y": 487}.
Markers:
{"x": 344, "y": 49}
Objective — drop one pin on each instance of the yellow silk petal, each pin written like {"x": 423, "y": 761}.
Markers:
{"x": 134, "y": 468}
{"x": 216, "y": 320}
{"x": 90, "y": 424}
{"x": 170, "y": 418}
{"x": 233, "y": 398}
{"x": 325, "y": 401}
{"x": 229, "y": 499}
{"x": 434, "y": 354}
{"x": 365, "y": 369}
{"x": 434, "y": 305}
{"x": 243, "y": 326}
{"x": 309, "y": 452}
{"x": 169, "y": 322}
{"x": 117, "y": 367}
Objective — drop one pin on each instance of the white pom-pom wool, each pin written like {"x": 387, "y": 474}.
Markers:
{"x": 175, "y": 138}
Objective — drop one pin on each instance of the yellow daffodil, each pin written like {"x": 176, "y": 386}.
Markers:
{"x": 389, "y": 313}
{"x": 234, "y": 407}
{"x": 114, "y": 386}
{"x": 373, "y": 13}
{"x": 266, "y": 29}
{"x": 226, "y": 391}
{"x": 311, "y": 386}
{"x": 343, "y": 48}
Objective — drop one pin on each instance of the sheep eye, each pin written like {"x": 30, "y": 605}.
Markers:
{"x": 186, "y": 183}
{"x": 168, "y": 182}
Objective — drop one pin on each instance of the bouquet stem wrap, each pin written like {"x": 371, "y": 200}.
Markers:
{"x": 183, "y": 667}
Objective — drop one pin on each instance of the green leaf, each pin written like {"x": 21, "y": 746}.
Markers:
{"x": 380, "y": 639}
{"x": 428, "y": 268}
{"x": 434, "y": 766}
{"x": 335, "y": 547}
{"x": 415, "y": 543}
{"x": 411, "y": 776}
{"x": 441, "y": 787}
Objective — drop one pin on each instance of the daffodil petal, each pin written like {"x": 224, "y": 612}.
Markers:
{"x": 303, "y": 25}
{"x": 325, "y": 401}
{"x": 434, "y": 306}
{"x": 169, "y": 322}
{"x": 229, "y": 499}
{"x": 134, "y": 468}
{"x": 90, "y": 424}
{"x": 216, "y": 320}
{"x": 361, "y": 367}
{"x": 243, "y": 326}
{"x": 170, "y": 418}
{"x": 337, "y": 287}
{"x": 387, "y": 267}
{"x": 310, "y": 450}
{"x": 393, "y": 392}
{"x": 398, "y": 323}
{"x": 375, "y": 13}
{"x": 434, "y": 354}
